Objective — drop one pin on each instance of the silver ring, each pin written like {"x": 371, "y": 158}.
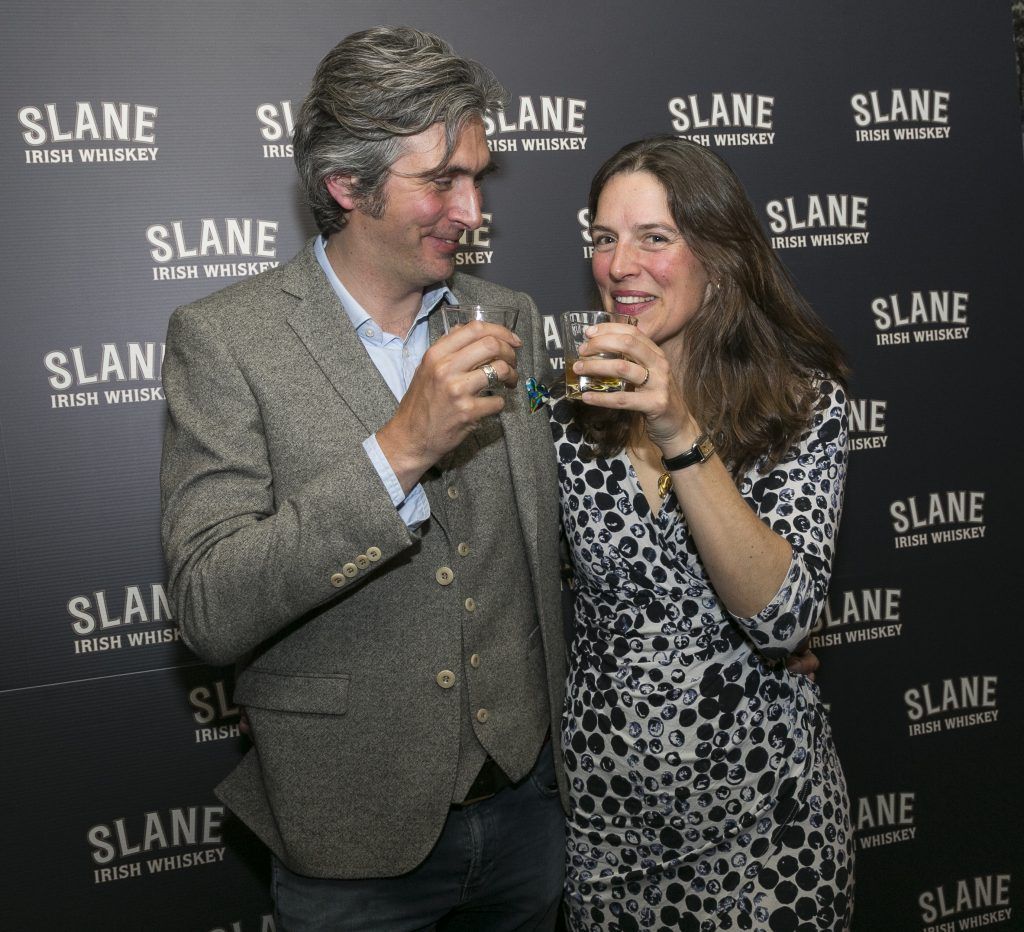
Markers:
{"x": 492, "y": 377}
{"x": 647, "y": 375}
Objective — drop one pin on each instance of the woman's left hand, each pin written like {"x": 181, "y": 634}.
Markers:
{"x": 744, "y": 558}
{"x": 654, "y": 391}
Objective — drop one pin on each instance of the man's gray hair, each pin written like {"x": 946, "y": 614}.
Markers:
{"x": 373, "y": 89}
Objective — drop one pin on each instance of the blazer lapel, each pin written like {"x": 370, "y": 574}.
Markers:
{"x": 435, "y": 324}
{"x": 520, "y": 445}
{"x": 320, "y": 322}
{"x": 523, "y": 463}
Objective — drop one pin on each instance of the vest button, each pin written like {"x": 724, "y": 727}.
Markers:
{"x": 463, "y": 549}
{"x": 482, "y": 715}
{"x": 453, "y": 492}
{"x": 470, "y": 605}
{"x": 445, "y": 679}
{"x": 350, "y": 570}
{"x": 474, "y": 661}
{"x": 337, "y": 580}
{"x": 374, "y": 554}
{"x": 444, "y": 576}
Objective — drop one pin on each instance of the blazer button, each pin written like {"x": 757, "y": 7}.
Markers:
{"x": 337, "y": 580}
{"x": 373, "y": 553}
{"x": 474, "y": 661}
{"x": 445, "y": 679}
{"x": 350, "y": 570}
{"x": 482, "y": 715}
{"x": 470, "y": 605}
{"x": 453, "y": 492}
{"x": 444, "y": 576}
{"x": 362, "y": 561}
{"x": 463, "y": 549}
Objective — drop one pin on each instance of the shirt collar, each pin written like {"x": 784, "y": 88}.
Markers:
{"x": 361, "y": 320}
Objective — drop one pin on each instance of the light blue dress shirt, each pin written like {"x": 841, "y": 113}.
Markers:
{"x": 396, "y": 358}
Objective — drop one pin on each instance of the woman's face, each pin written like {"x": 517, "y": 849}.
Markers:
{"x": 641, "y": 263}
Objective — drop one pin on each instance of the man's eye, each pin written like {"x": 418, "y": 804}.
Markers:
{"x": 443, "y": 183}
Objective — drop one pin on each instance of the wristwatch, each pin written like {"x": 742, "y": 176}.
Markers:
{"x": 700, "y": 452}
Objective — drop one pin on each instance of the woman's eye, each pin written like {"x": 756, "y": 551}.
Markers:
{"x": 602, "y": 239}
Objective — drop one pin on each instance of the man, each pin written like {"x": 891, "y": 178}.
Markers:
{"x": 369, "y": 537}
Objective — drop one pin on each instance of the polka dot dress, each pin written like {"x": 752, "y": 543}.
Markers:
{"x": 706, "y": 793}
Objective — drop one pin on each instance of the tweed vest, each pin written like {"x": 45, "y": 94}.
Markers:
{"x": 501, "y": 677}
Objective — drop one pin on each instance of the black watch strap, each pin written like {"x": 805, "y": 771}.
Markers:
{"x": 700, "y": 452}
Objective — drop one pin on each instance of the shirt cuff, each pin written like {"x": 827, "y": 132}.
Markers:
{"x": 413, "y": 508}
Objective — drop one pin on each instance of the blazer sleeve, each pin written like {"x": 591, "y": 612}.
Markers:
{"x": 244, "y": 562}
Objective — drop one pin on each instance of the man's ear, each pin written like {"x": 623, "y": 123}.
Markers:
{"x": 340, "y": 188}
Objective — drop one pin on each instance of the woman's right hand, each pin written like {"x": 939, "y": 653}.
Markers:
{"x": 655, "y": 391}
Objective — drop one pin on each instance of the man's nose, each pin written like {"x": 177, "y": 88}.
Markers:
{"x": 467, "y": 204}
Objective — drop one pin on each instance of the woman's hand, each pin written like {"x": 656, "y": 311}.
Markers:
{"x": 654, "y": 391}
{"x": 744, "y": 558}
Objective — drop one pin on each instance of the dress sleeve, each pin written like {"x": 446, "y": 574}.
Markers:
{"x": 801, "y": 499}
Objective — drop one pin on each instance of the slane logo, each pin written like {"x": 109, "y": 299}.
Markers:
{"x": 936, "y": 518}
{"x": 216, "y": 717}
{"x": 828, "y": 219}
{"x": 724, "y": 119}
{"x": 900, "y": 114}
{"x": 475, "y": 245}
{"x": 885, "y": 819}
{"x": 583, "y": 218}
{"x": 101, "y": 621}
{"x": 964, "y": 702}
{"x": 55, "y": 135}
{"x": 127, "y": 847}
{"x": 867, "y": 424}
{"x": 81, "y": 368}
{"x": 210, "y": 239}
{"x": 858, "y": 615}
{"x": 553, "y": 342}
{"x": 276, "y": 127}
{"x": 920, "y": 317}
{"x": 561, "y": 119}
{"x": 970, "y": 903}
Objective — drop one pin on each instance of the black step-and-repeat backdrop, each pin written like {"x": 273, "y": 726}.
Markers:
{"x": 146, "y": 162}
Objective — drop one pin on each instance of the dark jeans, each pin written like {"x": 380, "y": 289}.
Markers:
{"x": 497, "y": 866}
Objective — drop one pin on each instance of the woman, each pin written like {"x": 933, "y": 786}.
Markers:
{"x": 701, "y": 509}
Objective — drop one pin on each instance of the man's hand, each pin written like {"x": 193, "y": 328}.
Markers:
{"x": 443, "y": 402}
{"x": 803, "y": 661}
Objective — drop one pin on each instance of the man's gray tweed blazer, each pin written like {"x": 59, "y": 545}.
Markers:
{"x": 287, "y": 557}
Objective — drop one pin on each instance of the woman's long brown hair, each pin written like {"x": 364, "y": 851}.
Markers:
{"x": 752, "y": 352}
